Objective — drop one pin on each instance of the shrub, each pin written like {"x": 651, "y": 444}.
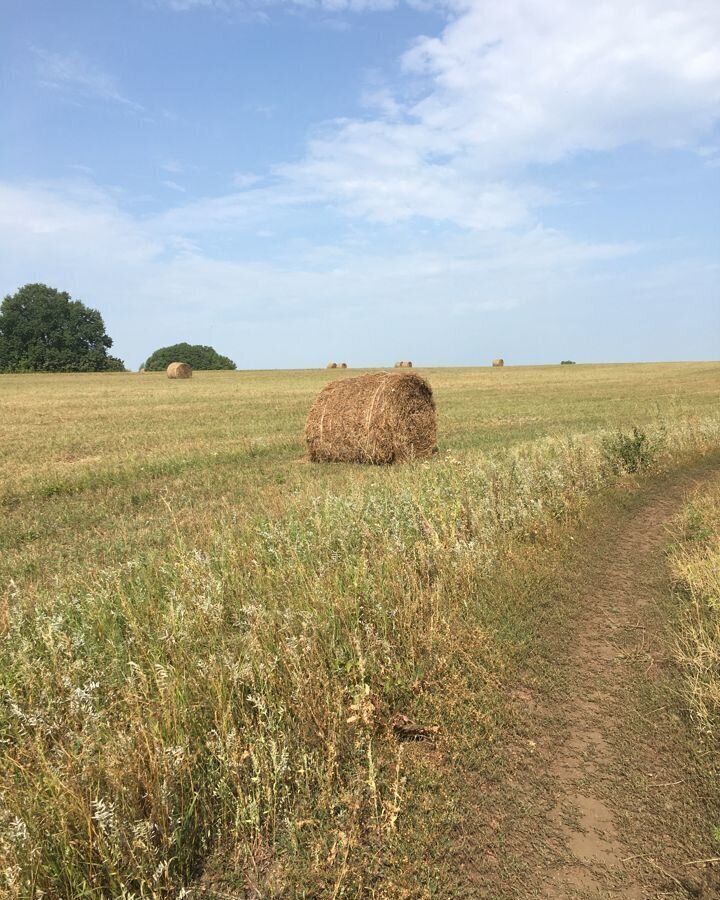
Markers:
{"x": 198, "y": 356}
{"x": 628, "y": 453}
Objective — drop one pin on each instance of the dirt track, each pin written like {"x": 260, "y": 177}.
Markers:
{"x": 610, "y": 804}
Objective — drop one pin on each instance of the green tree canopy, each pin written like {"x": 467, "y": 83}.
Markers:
{"x": 43, "y": 330}
{"x": 196, "y": 355}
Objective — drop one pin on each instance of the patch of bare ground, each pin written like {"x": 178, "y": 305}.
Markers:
{"x": 606, "y": 790}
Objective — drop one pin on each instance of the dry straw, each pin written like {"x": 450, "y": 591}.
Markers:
{"x": 179, "y": 370}
{"x": 385, "y": 417}
{"x": 498, "y": 363}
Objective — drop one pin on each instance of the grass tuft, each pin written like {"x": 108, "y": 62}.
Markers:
{"x": 695, "y": 563}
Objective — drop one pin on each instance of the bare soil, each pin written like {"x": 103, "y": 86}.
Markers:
{"x": 609, "y": 790}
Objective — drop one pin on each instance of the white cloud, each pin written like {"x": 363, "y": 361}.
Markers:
{"x": 328, "y": 6}
{"x": 537, "y": 80}
{"x": 140, "y": 270}
{"x": 373, "y": 171}
{"x": 245, "y": 179}
{"x": 172, "y": 166}
{"x": 453, "y": 151}
{"x": 155, "y": 286}
{"x": 77, "y": 76}
{"x": 507, "y": 86}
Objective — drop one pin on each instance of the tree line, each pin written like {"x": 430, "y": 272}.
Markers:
{"x": 45, "y": 330}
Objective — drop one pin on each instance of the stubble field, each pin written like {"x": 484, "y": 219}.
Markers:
{"x": 209, "y": 644}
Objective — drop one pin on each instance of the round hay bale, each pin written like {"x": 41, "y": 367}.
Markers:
{"x": 343, "y": 365}
{"x": 404, "y": 364}
{"x": 498, "y": 363}
{"x": 179, "y": 370}
{"x": 331, "y": 366}
{"x": 385, "y": 417}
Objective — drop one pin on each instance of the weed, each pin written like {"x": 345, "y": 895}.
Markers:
{"x": 629, "y": 452}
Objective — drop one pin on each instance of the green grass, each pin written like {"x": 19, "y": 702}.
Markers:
{"x": 206, "y": 639}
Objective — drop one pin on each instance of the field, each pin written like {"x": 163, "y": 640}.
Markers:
{"x": 211, "y": 647}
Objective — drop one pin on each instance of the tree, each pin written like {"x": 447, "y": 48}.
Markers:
{"x": 196, "y": 355}
{"x": 43, "y": 330}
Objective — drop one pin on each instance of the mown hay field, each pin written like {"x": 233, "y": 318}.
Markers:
{"x": 206, "y": 639}
{"x": 105, "y": 462}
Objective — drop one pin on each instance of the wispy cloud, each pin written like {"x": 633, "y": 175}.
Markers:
{"x": 173, "y": 166}
{"x": 326, "y": 6}
{"x": 174, "y": 186}
{"x": 162, "y": 271}
{"x": 79, "y": 77}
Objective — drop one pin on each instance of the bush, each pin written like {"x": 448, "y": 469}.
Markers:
{"x": 628, "y": 452}
{"x": 196, "y": 355}
{"x": 567, "y": 362}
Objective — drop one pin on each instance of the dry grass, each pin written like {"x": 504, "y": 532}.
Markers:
{"x": 695, "y": 565}
{"x": 206, "y": 640}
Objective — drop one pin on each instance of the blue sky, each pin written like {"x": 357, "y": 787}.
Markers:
{"x": 369, "y": 180}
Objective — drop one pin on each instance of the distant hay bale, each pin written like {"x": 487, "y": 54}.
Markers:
{"x": 331, "y": 366}
{"x": 381, "y": 418}
{"x": 343, "y": 365}
{"x": 404, "y": 364}
{"x": 179, "y": 370}
{"x": 498, "y": 363}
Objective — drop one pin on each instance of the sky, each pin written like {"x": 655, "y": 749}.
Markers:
{"x": 298, "y": 181}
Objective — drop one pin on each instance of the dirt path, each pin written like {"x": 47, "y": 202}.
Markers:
{"x": 612, "y": 794}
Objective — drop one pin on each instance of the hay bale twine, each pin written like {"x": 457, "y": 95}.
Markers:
{"x": 179, "y": 370}
{"x": 384, "y": 417}
{"x": 331, "y": 366}
{"x": 498, "y": 363}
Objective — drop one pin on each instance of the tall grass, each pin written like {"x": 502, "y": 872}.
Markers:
{"x": 241, "y": 698}
{"x": 695, "y": 563}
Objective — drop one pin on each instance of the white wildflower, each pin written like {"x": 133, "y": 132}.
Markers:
{"x": 104, "y": 814}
